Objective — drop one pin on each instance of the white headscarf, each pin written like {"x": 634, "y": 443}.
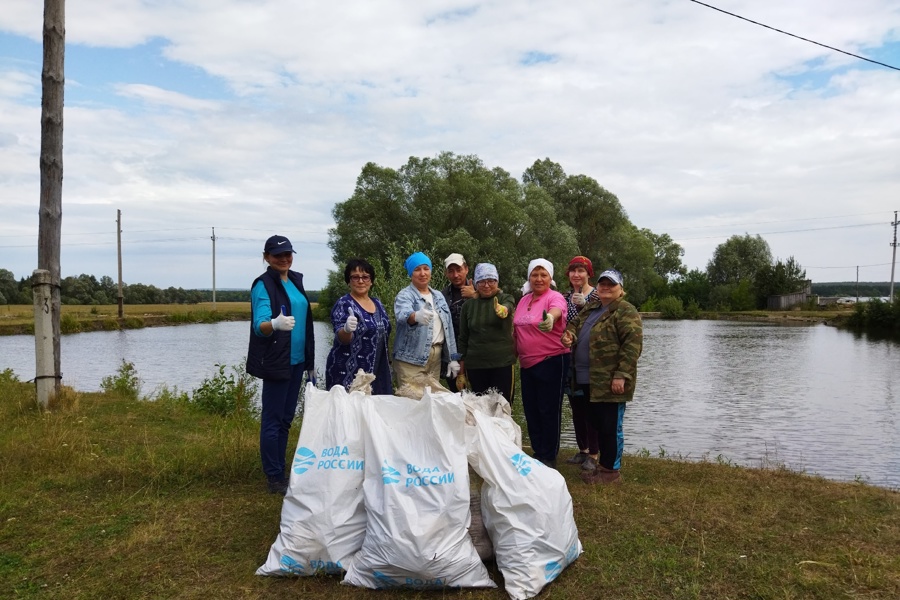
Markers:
{"x": 538, "y": 262}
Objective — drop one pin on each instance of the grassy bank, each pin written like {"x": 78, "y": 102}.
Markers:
{"x": 112, "y": 498}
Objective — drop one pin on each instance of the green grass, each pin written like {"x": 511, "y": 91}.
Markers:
{"x": 105, "y": 497}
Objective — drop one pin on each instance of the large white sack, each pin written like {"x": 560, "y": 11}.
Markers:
{"x": 323, "y": 520}
{"x": 526, "y": 508}
{"x": 416, "y": 494}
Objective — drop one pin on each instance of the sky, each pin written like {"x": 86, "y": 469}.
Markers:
{"x": 256, "y": 117}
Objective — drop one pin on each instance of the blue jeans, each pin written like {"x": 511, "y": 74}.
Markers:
{"x": 279, "y": 405}
{"x": 542, "y": 394}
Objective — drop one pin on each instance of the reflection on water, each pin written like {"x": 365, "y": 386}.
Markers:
{"x": 813, "y": 398}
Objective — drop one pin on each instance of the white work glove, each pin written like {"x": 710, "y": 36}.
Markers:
{"x": 547, "y": 324}
{"x": 351, "y": 323}
{"x": 452, "y": 369}
{"x": 424, "y": 316}
{"x": 282, "y": 322}
{"x": 578, "y": 299}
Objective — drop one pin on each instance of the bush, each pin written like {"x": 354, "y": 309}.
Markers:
{"x": 671, "y": 307}
{"x": 125, "y": 383}
{"x": 227, "y": 394}
{"x": 692, "y": 311}
{"x": 649, "y": 305}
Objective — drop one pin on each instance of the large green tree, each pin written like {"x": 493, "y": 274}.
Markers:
{"x": 602, "y": 228}
{"x": 738, "y": 258}
{"x": 448, "y": 204}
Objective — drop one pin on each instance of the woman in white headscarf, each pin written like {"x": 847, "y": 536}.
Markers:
{"x": 539, "y": 321}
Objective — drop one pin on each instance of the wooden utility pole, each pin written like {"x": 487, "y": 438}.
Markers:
{"x": 51, "y": 164}
{"x": 894, "y": 259}
{"x": 119, "y": 242}
{"x": 213, "y": 238}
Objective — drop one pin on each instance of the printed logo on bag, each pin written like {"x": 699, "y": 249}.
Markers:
{"x": 289, "y": 565}
{"x": 384, "y": 581}
{"x": 303, "y": 460}
{"x": 522, "y": 463}
{"x": 426, "y": 476}
{"x": 572, "y": 553}
{"x": 389, "y": 474}
{"x": 552, "y": 570}
{"x": 326, "y": 566}
{"x": 332, "y": 458}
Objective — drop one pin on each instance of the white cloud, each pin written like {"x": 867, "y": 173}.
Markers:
{"x": 702, "y": 124}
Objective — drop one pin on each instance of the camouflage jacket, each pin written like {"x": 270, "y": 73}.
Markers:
{"x": 616, "y": 340}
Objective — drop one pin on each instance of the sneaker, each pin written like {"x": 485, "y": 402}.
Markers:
{"x": 589, "y": 464}
{"x": 277, "y": 486}
{"x": 548, "y": 463}
{"x": 578, "y": 459}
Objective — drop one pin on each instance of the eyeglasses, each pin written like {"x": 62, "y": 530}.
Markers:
{"x": 282, "y": 256}
{"x": 487, "y": 282}
{"x": 360, "y": 278}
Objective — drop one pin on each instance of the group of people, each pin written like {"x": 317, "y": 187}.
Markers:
{"x": 584, "y": 344}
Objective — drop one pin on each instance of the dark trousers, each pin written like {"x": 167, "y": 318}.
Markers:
{"x": 585, "y": 434}
{"x": 499, "y": 378}
{"x": 279, "y": 405}
{"x": 606, "y": 418}
{"x": 542, "y": 393}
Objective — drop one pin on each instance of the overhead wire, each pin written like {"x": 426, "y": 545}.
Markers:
{"x": 793, "y": 35}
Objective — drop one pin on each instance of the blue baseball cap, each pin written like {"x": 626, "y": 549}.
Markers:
{"x": 278, "y": 244}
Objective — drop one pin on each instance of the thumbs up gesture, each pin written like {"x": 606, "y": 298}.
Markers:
{"x": 283, "y": 322}
{"x": 468, "y": 290}
{"x": 500, "y": 310}
{"x": 424, "y": 316}
{"x": 547, "y": 323}
{"x": 351, "y": 323}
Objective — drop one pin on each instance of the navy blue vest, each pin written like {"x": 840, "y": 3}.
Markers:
{"x": 270, "y": 357}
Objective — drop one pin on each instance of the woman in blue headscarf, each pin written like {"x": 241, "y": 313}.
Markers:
{"x": 424, "y": 329}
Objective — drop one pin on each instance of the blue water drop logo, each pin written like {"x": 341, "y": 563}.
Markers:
{"x": 289, "y": 565}
{"x": 389, "y": 474}
{"x": 303, "y": 460}
{"x": 384, "y": 581}
{"x": 552, "y": 570}
{"x": 522, "y": 463}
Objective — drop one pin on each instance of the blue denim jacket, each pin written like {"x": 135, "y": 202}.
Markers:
{"x": 412, "y": 343}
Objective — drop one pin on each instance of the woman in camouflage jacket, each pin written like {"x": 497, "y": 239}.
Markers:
{"x": 606, "y": 340}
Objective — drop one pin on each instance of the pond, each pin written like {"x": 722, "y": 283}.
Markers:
{"x": 811, "y": 398}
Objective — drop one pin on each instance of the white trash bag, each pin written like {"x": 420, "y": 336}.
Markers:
{"x": 323, "y": 520}
{"x": 526, "y": 508}
{"x": 416, "y": 494}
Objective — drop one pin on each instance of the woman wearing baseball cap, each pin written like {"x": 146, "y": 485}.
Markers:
{"x": 606, "y": 340}
{"x": 282, "y": 349}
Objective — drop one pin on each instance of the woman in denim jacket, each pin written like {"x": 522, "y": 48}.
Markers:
{"x": 424, "y": 329}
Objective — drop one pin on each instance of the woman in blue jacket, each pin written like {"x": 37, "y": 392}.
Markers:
{"x": 281, "y": 349}
{"x": 424, "y": 329}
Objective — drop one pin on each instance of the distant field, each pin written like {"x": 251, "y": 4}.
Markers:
{"x": 19, "y": 314}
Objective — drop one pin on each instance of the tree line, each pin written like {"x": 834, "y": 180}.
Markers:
{"x": 451, "y": 203}
{"x": 87, "y": 289}
{"x": 454, "y": 203}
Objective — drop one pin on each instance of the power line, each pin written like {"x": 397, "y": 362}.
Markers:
{"x": 775, "y": 221}
{"x": 797, "y": 36}
{"x": 714, "y": 237}
{"x": 850, "y": 267}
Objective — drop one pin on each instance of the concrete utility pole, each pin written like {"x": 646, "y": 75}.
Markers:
{"x": 213, "y": 238}
{"x": 50, "y": 212}
{"x": 119, "y": 242}
{"x": 894, "y": 259}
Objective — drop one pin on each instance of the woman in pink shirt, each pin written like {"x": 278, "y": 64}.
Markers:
{"x": 539, "y": 321}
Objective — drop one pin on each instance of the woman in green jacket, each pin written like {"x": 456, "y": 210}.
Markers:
{"x": 485, "y": 336}
{"x": 606, "y": 340}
